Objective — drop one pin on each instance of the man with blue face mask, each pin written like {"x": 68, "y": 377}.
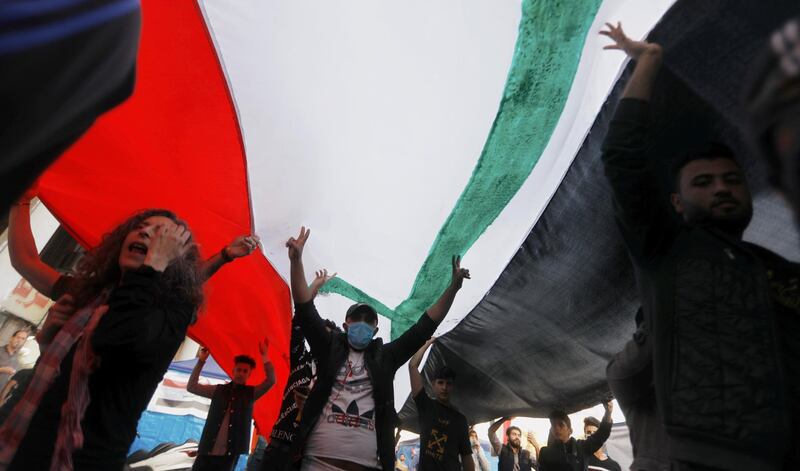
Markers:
{"x": 349, "y": 417}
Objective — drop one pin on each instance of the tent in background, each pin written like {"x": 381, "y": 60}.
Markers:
{"x": 174, "y": 414}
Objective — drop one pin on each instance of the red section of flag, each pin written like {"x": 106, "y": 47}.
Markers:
{"x": 176, "y": 144}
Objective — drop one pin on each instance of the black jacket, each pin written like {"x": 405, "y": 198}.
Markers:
{"x": 241, "y": 399}
{"x": 716, "y": 359}
{"x": 330, "y": 350}
{"x": 506, "y": 460}
{"x": 571, "y": 456}
{"x": 136, "y": 340}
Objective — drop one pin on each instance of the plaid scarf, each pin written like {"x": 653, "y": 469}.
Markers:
{"x": 78, "y": 328}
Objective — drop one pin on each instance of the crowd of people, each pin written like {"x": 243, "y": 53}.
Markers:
{"x": 710, "y": 379}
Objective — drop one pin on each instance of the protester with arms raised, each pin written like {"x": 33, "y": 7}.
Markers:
{"x": 702, "y": 382}
{"x": 512, "y": 457}
{"x": 349, "y": 418}
{"x": 444, "y": 432}
{"x": 226, "y": 434}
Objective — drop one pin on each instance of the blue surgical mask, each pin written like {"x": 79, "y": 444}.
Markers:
{"x": 359, "y": 335}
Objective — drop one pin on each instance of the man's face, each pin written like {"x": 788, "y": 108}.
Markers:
{"x": 402, "y": 458}
{"x": 714, "y": 190}
{"x": 18, "y": 340}
{"x": 442, "y": 387}
{"x": 561, "y": 431}
{"x": 514, "y": 438}
{"x": 241, "y": 372}
{"x": 473, "y": 437}
{"x": 588, "y": 430}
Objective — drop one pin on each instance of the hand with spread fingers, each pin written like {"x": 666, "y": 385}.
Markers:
{"x": 634, "y": 49}
{"x": 319, "y": 281}
{"x": 169, "y": 242}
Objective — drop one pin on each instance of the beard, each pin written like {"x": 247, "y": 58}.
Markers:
{"x": 731, "y": 222}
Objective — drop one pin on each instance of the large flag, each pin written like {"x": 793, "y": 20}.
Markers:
{"x": 404, "y": 133}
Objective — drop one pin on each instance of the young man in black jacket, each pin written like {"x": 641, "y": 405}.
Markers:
{"x": 705, "y": 371}
{"x": 226, "y": 434}
{"x": 563, "y": 452}
{"x": 349, "y": 418}
{"x": 511, "y": 456}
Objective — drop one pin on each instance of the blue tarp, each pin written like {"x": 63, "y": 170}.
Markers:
{"x": 155, "y": 428}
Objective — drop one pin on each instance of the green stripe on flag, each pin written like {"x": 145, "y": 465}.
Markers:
{"x": 548, "y": 51}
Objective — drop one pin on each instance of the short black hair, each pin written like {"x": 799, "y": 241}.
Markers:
{"x": 445, "y": 372}
{"x": 591, "y": 421}
{"x": 513, "y": 427}
{"x": 709, "y": 151}
{"x": 363, "y": 311}
{"x": 244, "y": 359}
{"x": 560, "y": 415}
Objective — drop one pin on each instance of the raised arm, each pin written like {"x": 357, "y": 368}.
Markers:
{"x": 597, "y": 439}
{"x": 306, "y": 314}
{"x": 402, "y": 348}
{"x": 496, "y": 444}
{"x": 23, "y": 252}
{"x": 534, "y": 443}
{"x": 417, "y": 384}
{"x": 269, "y": 371}
{"x": 193, "y": 386}
{"x": 644, "y": 216}
{"x": 241, "y": 246}
{"x": 301, "y": 293}
{"x": 442, "y": 306}
{"x": 648, "y": 61}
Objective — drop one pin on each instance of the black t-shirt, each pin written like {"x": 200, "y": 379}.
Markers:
{"x": 444, "y": 435}
{"x": 594, "y": 464}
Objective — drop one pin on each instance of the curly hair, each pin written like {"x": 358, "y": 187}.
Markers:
{"x": 181, "y": 282}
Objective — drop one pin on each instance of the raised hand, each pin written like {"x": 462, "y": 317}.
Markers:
{"x": 608, "y": 405}
{"x": 242, "y": 246}
{"x": 634, "y": 49}
{"x": 202, "y": 354}
{"x": 263, "y": 349}
{"x": 170, "y": 241}
{"x": 459, "y": 274}
{"x": 320, "y": 279}
{"x": 296, "y": 245}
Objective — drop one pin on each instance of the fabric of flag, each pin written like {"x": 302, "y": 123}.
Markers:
{"x": 403, "y": 133}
